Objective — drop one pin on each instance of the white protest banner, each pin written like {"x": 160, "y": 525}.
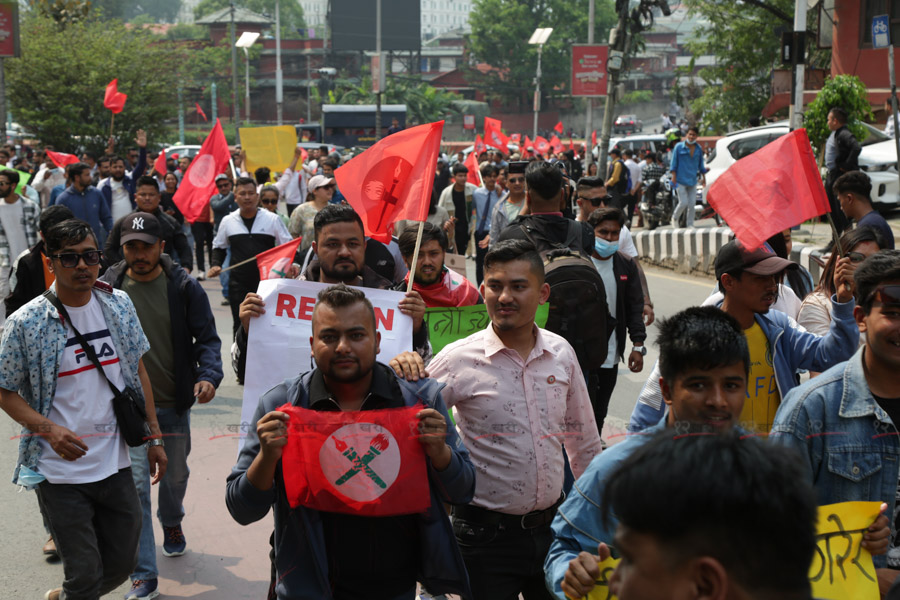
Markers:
{"x": 278, "y": 343}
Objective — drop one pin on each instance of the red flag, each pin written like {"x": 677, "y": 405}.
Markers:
{"x": 515, "y": 138}
{"x": 771, "y": 190}
{"x": 275, "y": 262}
{"x": 556, "y": 144}
{"x": 200, "y": 111}
{"x": 493, "y": 135}
{"x": 160, "y": 165}
{"x": 113, "y": 99}
{"x": 571, "y": 144}
{"x": 558, "y": 128}
{"x": 541, "y": 145}
{"x": 61, "y": 159}
{"x": 479, "y": 146}
{"x": 365, "y": 463}
{"x": 384, "y": 186}
{"x": 304, "y": 155}
{"x": 528, "y": 144}
{"x": 474, "y": 174}
{"x": 594, "y": 139}
{"x": 198, "y": 183}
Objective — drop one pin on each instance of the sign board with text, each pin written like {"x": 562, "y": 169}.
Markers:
{"x": 589, "y": 76}
{"x": 9, "y": 29}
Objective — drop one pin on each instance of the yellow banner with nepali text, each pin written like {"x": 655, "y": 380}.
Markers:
{"x": 271, "y": 147}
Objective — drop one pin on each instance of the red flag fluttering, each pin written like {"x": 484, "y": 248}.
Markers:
{"x": 275, "y": 262}
{"x": 62, "y": 159}
{"x": 594, "y": 139}
{"x": 364, "y": 463}
{"x": 541, "y": 145}
{"x": 493, "y": 135}
{"x": 474, "y": 174}
{"x": 773, "y": 189}
{"x": 479, "y": 146}
{"x": 558, "y": 128}
{"x": 515, "y": 138}
{"x": 160, "y": 164}
{"x": 113, "y": 99}
{"x": 198, "y": 184}
{"x": 200, "y": 111}
{"x": 383, "y": 186}
{"x": 556, "y": 144}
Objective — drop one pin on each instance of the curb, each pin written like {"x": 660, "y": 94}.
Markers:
{"x": 694, "y": 250}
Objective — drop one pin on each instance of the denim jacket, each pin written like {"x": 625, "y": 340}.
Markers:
{"x": 300, "y": 557}
{"x": 793, "y": 348}
{"x": 848, "y": 443}
{"x": 578, "y": 525}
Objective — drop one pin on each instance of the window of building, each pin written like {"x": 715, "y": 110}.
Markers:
{"x": 872, "y": 8}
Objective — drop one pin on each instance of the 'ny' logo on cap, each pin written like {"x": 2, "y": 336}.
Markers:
{"x": 138, "y": 223}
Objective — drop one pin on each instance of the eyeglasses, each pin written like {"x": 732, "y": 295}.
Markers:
{"x": 70, "y": 259}
{"x": 516, "y": 180}
{"x": 887, "y": 294}
{"x": 269, "y": 202}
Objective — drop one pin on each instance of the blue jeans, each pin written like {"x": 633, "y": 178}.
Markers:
{"x": 177, "y": 436}
{"x": 686, "y": 200}
{"x": 225, "y": 277}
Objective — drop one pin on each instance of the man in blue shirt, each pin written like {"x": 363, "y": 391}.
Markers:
{"x": 86, "y": 202}
{"x": 853, "y": 191}
{"x": 687, "y": 166}
{"x": 483, "y": 201}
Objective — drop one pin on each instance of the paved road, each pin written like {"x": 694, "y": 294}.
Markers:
{"x": 225, "y": 560}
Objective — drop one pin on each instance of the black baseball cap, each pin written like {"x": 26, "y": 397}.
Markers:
{"x": 518, "y": 166}
{"x": 140, "y": 226}
{"x": 734, "y": 256}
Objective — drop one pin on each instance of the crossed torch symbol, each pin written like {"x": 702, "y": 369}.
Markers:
{"x": 377, "y": 445}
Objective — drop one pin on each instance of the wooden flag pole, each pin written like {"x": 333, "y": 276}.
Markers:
{"x": 415, "y": 257}
{"x": 240, "y": 264}
{"x": 835, "y": 235}
{"x": 112, "y": 123}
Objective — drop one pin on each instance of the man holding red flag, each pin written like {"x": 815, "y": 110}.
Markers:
{"x": 325, "y": 553}
{"x": 438, "y": 285}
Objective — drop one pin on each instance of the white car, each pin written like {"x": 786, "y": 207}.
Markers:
{"x": 639, "y": 143}
{"x": 878, "y": 158}
{"x": 189, "y": 150}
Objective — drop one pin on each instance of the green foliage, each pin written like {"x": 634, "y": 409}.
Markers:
{"x": 500, "y": 33}
{"x": 185, "y": 31}
{"x": 846, "y": 91}
{"x": 63, "y": 12}
{"x": 743, "y": 39}
{"x": 56, "y": 87}
{"x": 137, "y": 11}
{"x": 201, "y": 65}
{"x": 291, "y": 13}
{"x": 637, "y": 96}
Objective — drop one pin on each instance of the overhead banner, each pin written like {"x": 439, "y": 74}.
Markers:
{"x": 589, "y": 77}
{"x": 278, "y": 343}
{"x": 271, "y": 147}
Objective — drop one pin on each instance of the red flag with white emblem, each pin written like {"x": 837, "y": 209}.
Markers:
{"x": 474, "y": 174}
{"x": 393, "y": 179}
{"x": 198, "y": 184}
{"x": 367, "y": 463}
{"x": 493, "y": 135}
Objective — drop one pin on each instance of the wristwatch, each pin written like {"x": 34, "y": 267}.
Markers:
{"x": 641, "y": 349}
{"x": 155, "y": 442}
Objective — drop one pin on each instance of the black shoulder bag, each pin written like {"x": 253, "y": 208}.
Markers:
{"x": 128, "y": 405}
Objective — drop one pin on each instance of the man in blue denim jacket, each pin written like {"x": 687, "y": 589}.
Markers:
{"x": 321, "y": 555}
{"x": 704, "y": 363}
{"x": 844, "y": 420}
{"x": 749, "y": 281}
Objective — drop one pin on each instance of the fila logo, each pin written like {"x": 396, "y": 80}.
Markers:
{"x": 138, "y": 223}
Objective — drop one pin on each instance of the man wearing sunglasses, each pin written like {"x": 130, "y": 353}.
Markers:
{"x": 845, "y": 421}
{"x": 70, "y": 451}
{"x": 505, "y": 211}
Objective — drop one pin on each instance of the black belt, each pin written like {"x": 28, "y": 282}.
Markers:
{"x": 483, "y": 516}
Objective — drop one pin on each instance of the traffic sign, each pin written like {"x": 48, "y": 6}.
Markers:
{"x": 881, "y": 31}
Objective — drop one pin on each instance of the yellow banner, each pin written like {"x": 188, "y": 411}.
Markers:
{"x": 841, "y": 567}
{"x": 601, "y": 587}
{"x": 271, "y": 147}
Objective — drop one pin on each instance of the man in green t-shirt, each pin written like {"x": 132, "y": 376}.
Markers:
{"x": 184, "y": 364}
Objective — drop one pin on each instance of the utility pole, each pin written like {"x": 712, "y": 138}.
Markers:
{"x": 234, "y": 76}
{"x": 589, "y": 117}
{"x": 279, "y": 76}
{"x": 215, "y": 101}
{"x": 2, "y": 102}
{"x": 798, "y": 59}
{"x": 615, "y": 64}
{"x": 380, "y": 70}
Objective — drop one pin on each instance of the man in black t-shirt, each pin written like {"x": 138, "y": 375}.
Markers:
{"x": 457, "y": 200}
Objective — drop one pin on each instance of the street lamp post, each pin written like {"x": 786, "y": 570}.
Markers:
{"x": 246, "y": 40}
{"x": 538, "y": 38}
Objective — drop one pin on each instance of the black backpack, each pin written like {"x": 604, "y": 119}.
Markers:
{"x": 578, "y": 309}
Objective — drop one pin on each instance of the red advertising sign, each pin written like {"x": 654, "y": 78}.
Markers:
{"x": 9, "y": 29}
{"x": 468, "y": 121}
{"x": 589, "y": 69}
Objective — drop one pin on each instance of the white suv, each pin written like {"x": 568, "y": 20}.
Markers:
{"x": 878, "y": 158}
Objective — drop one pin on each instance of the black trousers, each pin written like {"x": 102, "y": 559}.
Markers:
{"x": 504, "y": 562}
{"x": 203, "y": 238}
{"x": 600, "y": 384}
{"x": 841, "y": 222}
{"x": 479, "y": 256}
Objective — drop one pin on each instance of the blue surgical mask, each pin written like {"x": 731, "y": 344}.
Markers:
{"x": 605, "y": 249}
{"x": 29, "y": 478}
{"x": 689, "y": 142}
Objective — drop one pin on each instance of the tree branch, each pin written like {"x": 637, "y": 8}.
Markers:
{"x": 769, "y": 8}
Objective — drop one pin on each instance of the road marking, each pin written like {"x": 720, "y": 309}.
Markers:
{"x": 693, "y": 281}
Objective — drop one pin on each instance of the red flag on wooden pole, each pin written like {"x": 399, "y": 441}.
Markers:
{"x": 113, "y": 99}
{"x": 384, "y": 186}
{"x": 198, "y": 184}
{"x": 365, "y": 463}
{"x": 61, "y": 159}
{"x": 493, "y": 135}
{"x": 773, "y": 189}
{"x": 200, "y": 111}
{"x": 474, "y": 174}
{"x": 275, "y": 262}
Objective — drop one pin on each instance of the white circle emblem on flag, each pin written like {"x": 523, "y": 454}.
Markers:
{"x": 202, "y": 171}
{"x": 360, "y": 460}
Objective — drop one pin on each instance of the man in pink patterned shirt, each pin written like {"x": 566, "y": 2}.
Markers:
{"x": 520, "y": 397}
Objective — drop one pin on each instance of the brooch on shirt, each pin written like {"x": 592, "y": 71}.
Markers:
{"x": 551, "y": 379}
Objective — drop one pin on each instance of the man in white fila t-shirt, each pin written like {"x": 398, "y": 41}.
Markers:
{"x": 70, "y": 451}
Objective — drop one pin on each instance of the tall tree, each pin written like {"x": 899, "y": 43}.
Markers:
{"x": 56, "y": 87}
{"x": 500, "y": 33}
{"x": 291, "y": 12}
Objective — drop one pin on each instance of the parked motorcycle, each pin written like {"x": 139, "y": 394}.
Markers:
{"x": 657, "y": 203}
